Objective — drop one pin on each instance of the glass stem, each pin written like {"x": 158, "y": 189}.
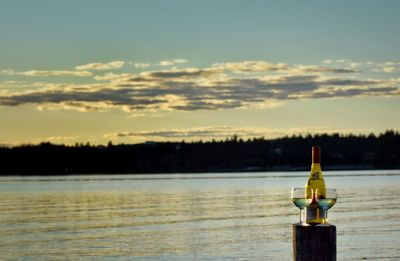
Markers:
{"x": 302, "y": 215}
{"x": 325, "y": 215}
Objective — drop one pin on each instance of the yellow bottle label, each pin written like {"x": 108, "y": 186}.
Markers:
{"x": 316, "y": 182}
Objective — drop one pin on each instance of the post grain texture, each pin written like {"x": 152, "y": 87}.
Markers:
{"x": 314, "y": 243}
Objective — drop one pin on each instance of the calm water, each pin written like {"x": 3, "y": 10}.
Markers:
{"x": 231, "y": 216}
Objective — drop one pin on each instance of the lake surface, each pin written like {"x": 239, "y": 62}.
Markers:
{"x": 229, "y": 216}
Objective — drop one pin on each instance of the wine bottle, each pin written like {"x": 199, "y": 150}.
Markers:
{"x": 315, "y": 187}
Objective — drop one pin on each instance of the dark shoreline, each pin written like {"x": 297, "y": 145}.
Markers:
{"x": 338, "y": 152}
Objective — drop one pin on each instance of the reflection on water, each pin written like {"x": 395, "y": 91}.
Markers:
{"x": 229, "y": 216}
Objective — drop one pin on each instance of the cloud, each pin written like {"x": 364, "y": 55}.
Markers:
{"x": 351, "y": 92}
{"x": 169, "y": 94}
{"x": 377, "y": 67}
{"x": 115, "y": 77}
{"x": 221, "y": 132}
{"x": 47, "y": 73}
{"x": 215, "y": 132}
{"x": 249, "y": 84}
{"x": 319, "y": 69}
{"x": 343, "y": 61}
{"x": 263, "y": 66}
{"x": 172, "y": 62}
{"x": 251, "y": 66}
{"x": 348, "y": 82}
{"x": 181, "y": 73}
{"x": 57, "y": 139}
{"x": 141, "y": 65}
{"x": 389, "y": 69}
{"x": 101, "y": 66}
{"x": 81, "y": 98}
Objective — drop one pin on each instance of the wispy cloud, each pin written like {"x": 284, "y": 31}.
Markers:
{"x": 182, "y": 73}
{"x": 251, "y": 66}
{"x": 222, "y": 132}
{"x": 390, "y": 69}
{"x": 47, "y": 73}
{"x": 172, "y": 62}
{"x": 118, "y": 77}
{"x": 101, "y": 66}
{"x": 141, "y": 65}
{"x": 380, "y": 67}
{"x": 320, "y": 69}
{"x": 57, "y": 139}
{"x": 263, "y": 66}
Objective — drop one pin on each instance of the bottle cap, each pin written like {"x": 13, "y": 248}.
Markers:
{"x": 316, "y": 154}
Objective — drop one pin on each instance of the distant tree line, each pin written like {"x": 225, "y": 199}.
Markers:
{"x": 233, "y": 154}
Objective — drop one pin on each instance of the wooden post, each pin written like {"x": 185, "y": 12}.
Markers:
{"x": 314, "y": 243}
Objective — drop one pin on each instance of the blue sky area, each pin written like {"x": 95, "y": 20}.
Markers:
{"x": 131, "y": 71}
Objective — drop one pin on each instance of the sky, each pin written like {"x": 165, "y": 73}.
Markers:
{"x": 135, "y": 71}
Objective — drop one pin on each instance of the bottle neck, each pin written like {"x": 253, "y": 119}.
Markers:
{"x": 316, "y": 155}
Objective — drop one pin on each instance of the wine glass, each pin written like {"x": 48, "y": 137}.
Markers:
{"x": 326, "y": 203}
{"x": 299, "y": 198}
